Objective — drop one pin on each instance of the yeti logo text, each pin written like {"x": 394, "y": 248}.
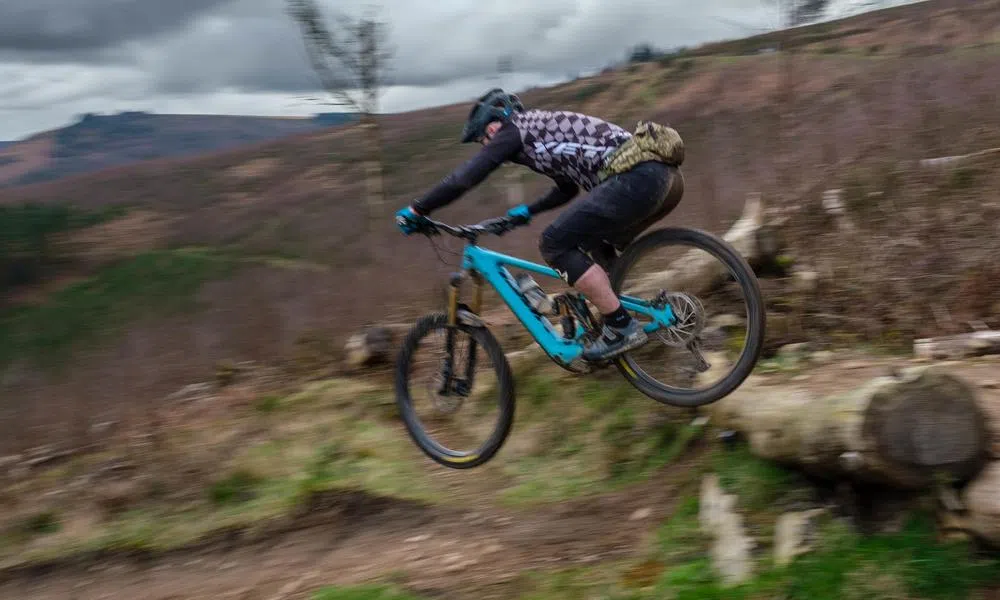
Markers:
{"x": 573, "y": 148}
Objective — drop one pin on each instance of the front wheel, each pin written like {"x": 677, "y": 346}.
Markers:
{"x": 720, "y": 318}
{"x": 447, "y": 379}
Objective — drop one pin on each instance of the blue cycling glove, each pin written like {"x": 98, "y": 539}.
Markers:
{"x": 520, "y": 214}
{"x": 409, "y": 221}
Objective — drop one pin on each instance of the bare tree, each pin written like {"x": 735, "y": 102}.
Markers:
{"x": 789, "y": 13}
{"x": 801, "y": 12}
{"x": 792, "y": 13}
{"x": 352, "y": 63}
{"x": 513, "y": 185}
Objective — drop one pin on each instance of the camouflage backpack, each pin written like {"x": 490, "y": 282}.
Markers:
{"x": 649, "y": 141}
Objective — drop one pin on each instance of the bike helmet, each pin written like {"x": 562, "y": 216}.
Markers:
{"x": 494, "y": 105}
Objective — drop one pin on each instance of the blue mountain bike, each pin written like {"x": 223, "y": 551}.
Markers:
{"x": 684, "y": 338}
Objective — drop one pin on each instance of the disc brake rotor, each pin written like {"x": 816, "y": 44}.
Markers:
{"x": 690, "y": 320}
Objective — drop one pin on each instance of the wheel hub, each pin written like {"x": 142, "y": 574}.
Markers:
{"x": 446, "y": 401}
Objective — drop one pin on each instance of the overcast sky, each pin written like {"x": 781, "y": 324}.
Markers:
{"x": 60, "y": 58}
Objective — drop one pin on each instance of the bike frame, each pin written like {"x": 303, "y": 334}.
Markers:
{"x": 491, "y": 266}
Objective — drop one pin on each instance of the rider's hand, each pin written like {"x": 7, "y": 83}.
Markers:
{"x": 409, "y": 221}
{"x": 519, "y": 215}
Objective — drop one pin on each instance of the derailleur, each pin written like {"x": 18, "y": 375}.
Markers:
{"x": 689, "y": 314}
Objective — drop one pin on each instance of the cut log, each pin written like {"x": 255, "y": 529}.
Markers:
{"x": 902, "y": 431}
{"x": 751, "y": 235}
{"x": 372, "y": 347}
{"x": 963, "y": 345}
{"x": 982, "y": 505}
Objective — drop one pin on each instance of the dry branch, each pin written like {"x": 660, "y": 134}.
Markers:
{"x": 945, "y": 161}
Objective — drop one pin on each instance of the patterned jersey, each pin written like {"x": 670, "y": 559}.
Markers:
{"x": 566, "y": 145}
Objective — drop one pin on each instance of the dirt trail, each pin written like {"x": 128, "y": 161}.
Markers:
{"x": 468, "y": 550}
{"x": 460, "y": 553}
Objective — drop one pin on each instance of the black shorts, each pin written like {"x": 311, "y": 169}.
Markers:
{"x": 610, "y": 217}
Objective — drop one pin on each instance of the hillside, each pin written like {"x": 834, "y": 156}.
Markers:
{"x": 98, "y": 142}
{"x": 163, "y": 269}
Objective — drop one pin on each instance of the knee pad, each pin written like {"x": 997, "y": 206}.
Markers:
{"x": 549, "y": 246}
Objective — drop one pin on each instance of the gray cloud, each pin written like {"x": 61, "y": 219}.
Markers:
{"x": 67, "y": 25}
{"x": 253, "y": 46}
{"x": 59, "y": 56}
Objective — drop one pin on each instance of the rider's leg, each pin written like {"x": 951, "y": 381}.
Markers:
{"x": 611, "y": 212}
{"x": 595, "y": 285}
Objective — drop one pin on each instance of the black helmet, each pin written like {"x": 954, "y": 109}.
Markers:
{"x": 494, "y": 105}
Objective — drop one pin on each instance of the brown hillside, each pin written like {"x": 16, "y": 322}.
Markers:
{"x": 854, "y": 100}
{"x": 96, "y": 142}
{"x": 21, "y": 158}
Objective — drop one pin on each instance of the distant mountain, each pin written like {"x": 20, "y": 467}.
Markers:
{"x": 96, "y": 142}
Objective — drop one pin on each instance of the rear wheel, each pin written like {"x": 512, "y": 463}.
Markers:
{"x": 715, "y": 297}
{"x": 455, "y": 391}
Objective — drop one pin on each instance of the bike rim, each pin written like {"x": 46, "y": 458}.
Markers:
{"x": 457, "y": 423}
{"x": 714, "y": 311}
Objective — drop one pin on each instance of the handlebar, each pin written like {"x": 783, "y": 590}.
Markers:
{"x": 495, "y": 226}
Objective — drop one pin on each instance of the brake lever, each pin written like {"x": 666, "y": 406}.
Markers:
{"x": 499, "y": 226}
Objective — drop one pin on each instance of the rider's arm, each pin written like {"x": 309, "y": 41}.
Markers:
{"x": 564, "y": 191}
{"x": 504, "y": 146}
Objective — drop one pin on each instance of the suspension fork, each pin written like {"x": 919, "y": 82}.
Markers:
{"x": 477, "y": 307}
{"x": 462, "y": 386}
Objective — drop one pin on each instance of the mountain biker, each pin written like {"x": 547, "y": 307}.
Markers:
{"x": 633, "y": 180}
